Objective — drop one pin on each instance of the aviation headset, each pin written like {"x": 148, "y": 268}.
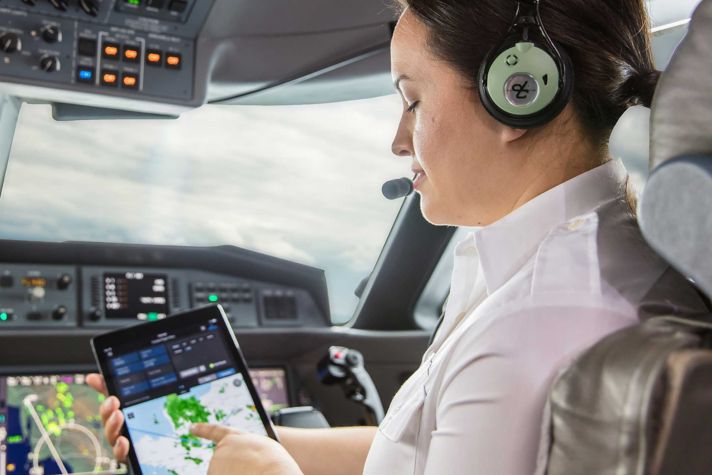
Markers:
{"x": 525, "y": 81}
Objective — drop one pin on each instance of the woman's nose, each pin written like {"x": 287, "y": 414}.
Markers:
{"x": 402, "y": 145}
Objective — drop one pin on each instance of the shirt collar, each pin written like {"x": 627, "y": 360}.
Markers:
{"x": 506, "y": 245}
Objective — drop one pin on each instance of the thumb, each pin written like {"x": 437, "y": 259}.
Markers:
{"x": 213, "y": 432}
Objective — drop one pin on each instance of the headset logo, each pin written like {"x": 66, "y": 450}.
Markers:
{"x": 521, "y": 90}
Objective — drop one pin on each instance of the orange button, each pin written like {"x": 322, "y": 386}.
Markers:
{"x": 109, "y": 78}
{"x": 131, "y": 54}
{"x": 173, "y": 60}
{"x": 111, "y": 50}
{"x": 154, "y": 57}
{"x": 130, "y": 81}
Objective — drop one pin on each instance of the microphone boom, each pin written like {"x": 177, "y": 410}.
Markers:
{"x": 398, "y": 188}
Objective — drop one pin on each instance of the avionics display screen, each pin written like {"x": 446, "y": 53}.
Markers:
{"x": 51, "y": 422}
{"x": 136, "y": 295}
{"x": 271, "y": 385}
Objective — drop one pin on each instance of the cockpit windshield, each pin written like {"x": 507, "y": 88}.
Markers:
{"x": 297, "y": 182}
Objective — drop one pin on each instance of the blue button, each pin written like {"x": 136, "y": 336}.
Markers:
{"x": 85, "y": 74}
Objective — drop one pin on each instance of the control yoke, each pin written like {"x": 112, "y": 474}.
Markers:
{"x": 344, "y": 366}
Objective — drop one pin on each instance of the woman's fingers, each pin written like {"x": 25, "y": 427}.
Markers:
{"x": 111, "y": 417}
{"x": 108, "y": 407}
{"x": 112, "y": 427}
{"x": 121, "y": 449}
{"x": 96, "y": 381}
{"x": 213, "y": 432}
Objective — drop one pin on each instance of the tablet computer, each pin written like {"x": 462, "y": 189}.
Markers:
{"x": 171, "y": 373}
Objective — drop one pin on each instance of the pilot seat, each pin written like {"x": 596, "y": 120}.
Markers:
{"x": 640, "y": 400}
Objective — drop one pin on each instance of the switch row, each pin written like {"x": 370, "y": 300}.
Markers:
{"x": 108, "y": 77}
{"x": 129, "y": 53}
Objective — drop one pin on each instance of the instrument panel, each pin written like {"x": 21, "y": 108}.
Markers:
{"x": 140, "y": 49}
{"x": 104, "y": 291}
{"x": 109, "y": 297}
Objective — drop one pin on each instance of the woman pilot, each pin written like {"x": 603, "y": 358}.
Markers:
{"x": 507, "y": 110}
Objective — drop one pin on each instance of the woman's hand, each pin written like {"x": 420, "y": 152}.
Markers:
{"x": 111, "y": 417}
{"x": 239, "y": 452}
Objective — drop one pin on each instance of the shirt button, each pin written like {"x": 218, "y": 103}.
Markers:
{"x": 575, "y": 224}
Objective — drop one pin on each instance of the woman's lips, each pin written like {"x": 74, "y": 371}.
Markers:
{"x": 418, "y": 179}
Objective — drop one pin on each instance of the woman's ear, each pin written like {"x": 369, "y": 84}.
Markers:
{"x": 509, "y": 134}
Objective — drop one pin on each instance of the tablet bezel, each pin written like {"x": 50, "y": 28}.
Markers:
{"x": 179, "y": 320}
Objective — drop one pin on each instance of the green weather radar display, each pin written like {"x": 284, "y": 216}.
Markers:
{"x": 50, "y": 424}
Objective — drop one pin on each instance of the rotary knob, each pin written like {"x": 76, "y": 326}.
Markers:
{"x": 94, "y": 314}
{"x": 64, "y": 281}
{"x": 59, "y": 313}
{"x": 60, "y": 5}
{"x": 89, "y": 6}
{"x": 51, "y": 34}
{"x": 10, "y": 42}
{"x": 49, "y": 64}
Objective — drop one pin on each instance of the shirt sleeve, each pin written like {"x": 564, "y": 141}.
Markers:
{"x": 491, "y": 397}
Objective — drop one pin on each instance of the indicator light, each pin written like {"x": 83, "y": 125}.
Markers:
{"x": 4, "y": 316}
{"x": 154, "y": 58}
{"x": 85, "y": 74}
{"x": 11, "y": 467}
{"x": 134, "y": 2}
{"x": 212, "y": 298}
{"x": 109, "y": 78}
{"x": 152, "y": 316}
{"x": 131, "y": 54}
{"x": 111, "y": 50}
{"x": 173, "y": 61}
{"x": 130, "y": 81}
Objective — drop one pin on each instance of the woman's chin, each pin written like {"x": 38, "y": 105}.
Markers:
{"x": 430, "y": 210}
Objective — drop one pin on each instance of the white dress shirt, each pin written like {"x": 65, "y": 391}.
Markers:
{"x": 528, "y": 294}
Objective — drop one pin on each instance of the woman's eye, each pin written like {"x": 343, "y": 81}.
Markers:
{"x": 412, "y": 107}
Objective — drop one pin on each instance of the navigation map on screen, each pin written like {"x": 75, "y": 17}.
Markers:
{"x": 171, "y": 380}
{"x": 50, "y": 424}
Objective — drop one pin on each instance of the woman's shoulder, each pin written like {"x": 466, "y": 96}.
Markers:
{"x": 603, "y": 257}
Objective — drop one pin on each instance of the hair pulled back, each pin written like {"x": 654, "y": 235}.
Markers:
{"x": 608, "y": 42}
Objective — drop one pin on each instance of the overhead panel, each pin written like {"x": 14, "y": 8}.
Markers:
{"x": 85, "y": 51}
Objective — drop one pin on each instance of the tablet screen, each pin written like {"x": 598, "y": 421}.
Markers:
{"x": 171, "y": 374}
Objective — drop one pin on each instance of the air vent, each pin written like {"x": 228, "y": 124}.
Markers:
{"x": 95, "y": 291}
{"x": 279, "y": 305}
{"x": 175, "y": 294}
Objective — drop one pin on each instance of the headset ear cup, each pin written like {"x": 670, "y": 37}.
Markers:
{"x": 550, "y": 106}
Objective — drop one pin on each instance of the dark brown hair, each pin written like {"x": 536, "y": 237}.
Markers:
{"x": 608, "y": 42}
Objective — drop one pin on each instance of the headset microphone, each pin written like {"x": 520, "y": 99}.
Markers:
{"x": 398, "y": 188}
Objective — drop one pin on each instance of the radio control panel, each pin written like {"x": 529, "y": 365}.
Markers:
{"x": 139, "y": 49}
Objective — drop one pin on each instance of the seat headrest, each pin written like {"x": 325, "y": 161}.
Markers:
{"x": 675, "y": 206}
{"x": 682, "y": 106}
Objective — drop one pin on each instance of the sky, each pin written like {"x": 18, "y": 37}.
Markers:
{"x": 298, "y": 182}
